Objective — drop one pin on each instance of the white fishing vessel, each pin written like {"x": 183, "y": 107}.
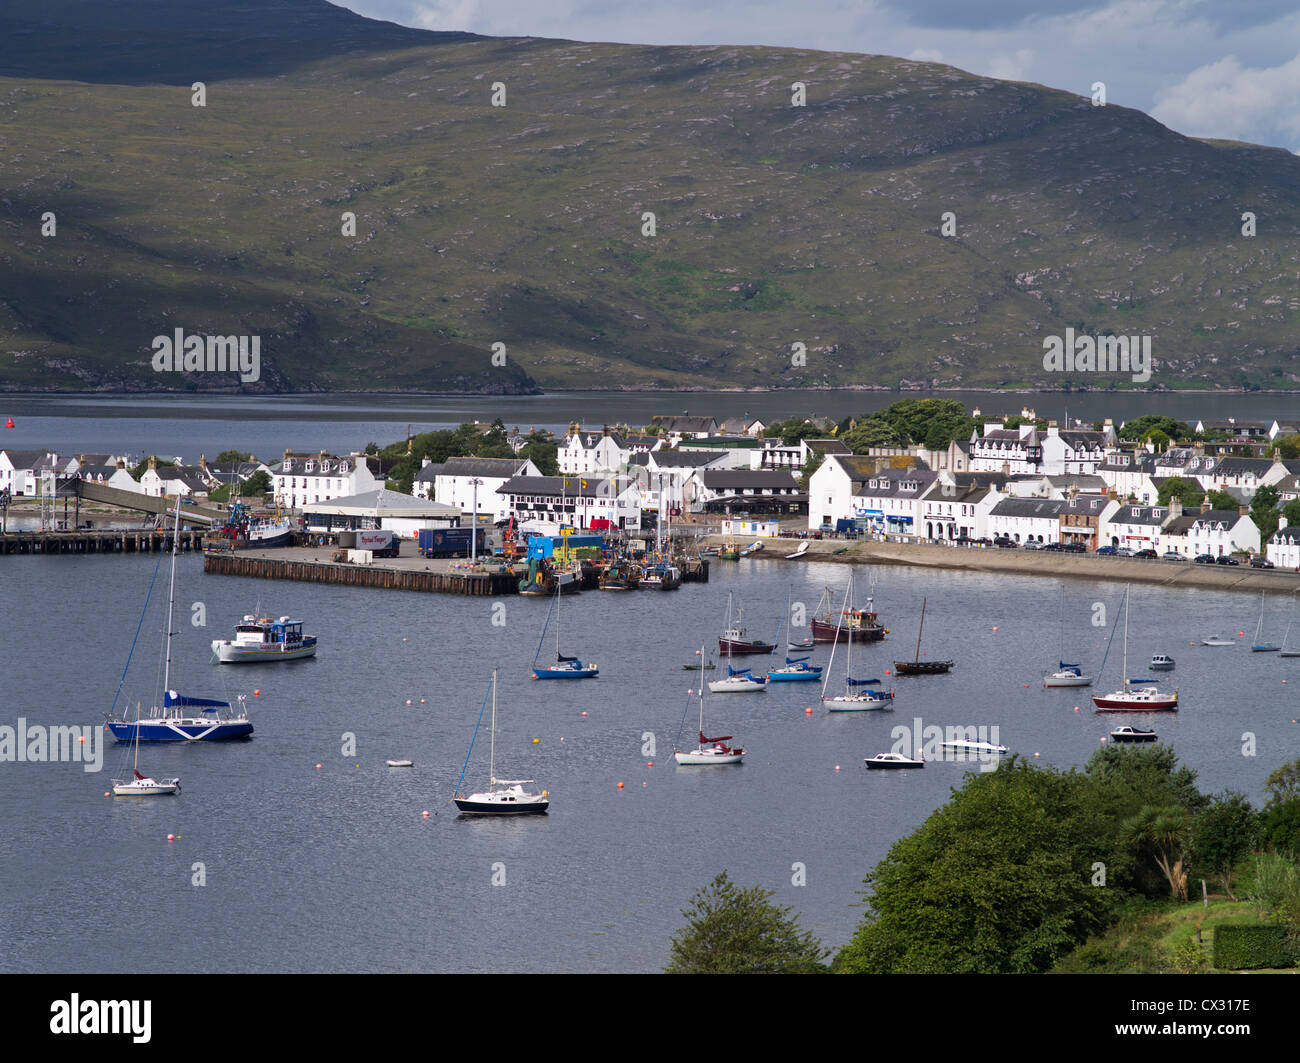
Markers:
{"x": 512, "y": 799}
{"x": 1135, "y": 695}
{"x": 710, "y": 750}
{"x": 263, "y": 639}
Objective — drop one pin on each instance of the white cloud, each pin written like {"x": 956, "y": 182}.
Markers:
{"x": 1224, "y": 97}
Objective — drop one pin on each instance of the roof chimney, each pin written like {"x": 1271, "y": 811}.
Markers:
{"x": 1205, "y": 504}
{"x": 1175, "y": 506}
{"x": 1243, "y": 511}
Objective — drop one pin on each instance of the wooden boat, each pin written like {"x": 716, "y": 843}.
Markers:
{"x": 734, "y": 640}
{"x": 918, "y": 666}
{"x": 892, "y": 760}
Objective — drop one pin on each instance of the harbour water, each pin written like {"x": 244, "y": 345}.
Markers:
{"x": 335, "y": 869}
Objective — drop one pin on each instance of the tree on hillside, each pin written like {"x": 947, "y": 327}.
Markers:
{"x": 1162, "y": 834}
{"x": 1223, "y": 835}
{"x": 1288, "y": 447}
{"x": 736, "y": 931}
{"x": 1139, "y": 429}
{"x": 1283, "y": 784}
{"x": 1223, "y": 500}
{"x": 542, "y": 451}
{"x": 999, "y": 880}
{"x": 933, "y": 423}
{"x": 232, "y": 457}
{"x": 1189, "y": 492}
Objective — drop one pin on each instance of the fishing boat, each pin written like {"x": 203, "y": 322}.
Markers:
{"x": 918, "y": 666}
{"x": 699, "y": 666}
{"x": 738, "y": 680}
{"x": 1258, "y": 646}
{"x": 261, "y": 639}
{"x": 734, "y": 640}
{"x": 796, "y": 670}
{"x": 513, "y": 799}
{"x": 142, "y": 785}
{"x": 619, "y": 576}
{"x": 1135, "y": 695}
{"x": 1286, "y": 638}
{"x": 858, "y": 694}
{"x": 1161, "y": 662}
{"x": 857, "y": 625}
{"x": 710, "y": 750}
{"x": 1132, "y": 734}
{"x": 170, "y": 722}
{"x": 803, "y": 549}
{"x": 893, "y": 760}
{"x": 661, "y": 577}
{"x": 729, "y": 551}
{"x": 270, "y": 531}
{"x": 1067, "y": 675}
{"x": 1215, "y": 640}
{"x": 564, "y": 667}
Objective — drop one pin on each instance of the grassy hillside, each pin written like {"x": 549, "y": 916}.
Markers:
{"x": 523, "y": 224}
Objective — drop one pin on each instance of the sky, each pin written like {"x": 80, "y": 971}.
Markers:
{"x": 1206, "y": 68}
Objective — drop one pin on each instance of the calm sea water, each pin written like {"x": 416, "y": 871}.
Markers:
{"x": 335, "y": 869}
{"x": 187, "y": 426}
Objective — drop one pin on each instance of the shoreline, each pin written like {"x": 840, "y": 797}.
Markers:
{"x": 1027, "y": 563}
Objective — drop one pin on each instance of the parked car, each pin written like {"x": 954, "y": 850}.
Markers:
{"x": 1205, "y": 559}
{"x": 1031, "y": 544}
{"x": 1074, "y": 548}
{"x": 1147, "y": 553}
{"x": 1172, "y": 555}
{"x": 1005, "y": 543}
{"x": 1123, "y": 551}
{"x": 1260, "y": 561}
{"x": 1053, "y": 546}
{"x": 1105, "y": 549}
{"x": 1226, "y": 559}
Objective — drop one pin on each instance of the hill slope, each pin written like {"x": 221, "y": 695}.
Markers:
{"x": 522, "y": 224}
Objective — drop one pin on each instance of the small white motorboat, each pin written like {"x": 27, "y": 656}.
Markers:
{"x": 893, "y": 760}
{"x": 1132, "y": 734}
{"x": 401, "y": 764}
{"x": 1215, "y": 640}
{"x": 974, "y": 747}
{"x": 803, "y": 549}
{"x": 1161, "y": 662}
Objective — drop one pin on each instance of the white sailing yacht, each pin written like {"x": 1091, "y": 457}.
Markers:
{"x": 1068, "y": 675}
{"x": 141, "y": 785}
{"x": 858, "y": 695}
{"x": 1147, "y": 697}
{"x": 1257, "y": 646}
{"x": 1286, "y": 638}
{"x": 513, "y": 800}
{"x": 710, "y": 750}
{"x": 737, "y": 680}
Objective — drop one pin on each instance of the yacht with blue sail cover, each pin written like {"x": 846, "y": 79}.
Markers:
{"x": 180, "y": 717}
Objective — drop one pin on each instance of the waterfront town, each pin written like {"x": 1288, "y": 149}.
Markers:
{"x": 1221, "y": 494}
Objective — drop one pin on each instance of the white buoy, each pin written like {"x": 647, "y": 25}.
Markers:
{"x": 401, "y": 764}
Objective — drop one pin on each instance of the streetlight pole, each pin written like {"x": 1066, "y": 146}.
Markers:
{"x": 473, "y": 535}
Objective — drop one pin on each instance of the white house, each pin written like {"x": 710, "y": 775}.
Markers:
{"x": 1138, "y": 527}
{"x": 1013, "y": 450}
{"x": 580, "y": 501}
{"x": 452, "y": 483}
{"x": 1021, "y": 519}
{"x": 163, "y": 481}
{"x": 302, "y": 479}
{"x": 1284, "y": 548}
{"x": 588, "y": 451}
{"x": 1213, "y": 531}
{"x": 673, "y": 472}
{"x": 686, "y": 427}
{"x": 20, "y": 470}
{"x": 1073, "y": 451}
{"x": 949, "y": 510}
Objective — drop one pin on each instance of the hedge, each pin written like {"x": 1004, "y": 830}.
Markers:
{"x": 1248, "y": 947}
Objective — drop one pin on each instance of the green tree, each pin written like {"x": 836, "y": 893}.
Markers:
{"x": 1162, "y": 834}
{"x": 1140, "y": 429}
{"x": 1292, "y": 512}
{"x": 1279, "y": 827}
{"x": 1288, "y": 447}
{"x": 543, "y": 451}
{"x": 1188, "y": 492}
{"x": 1283, "y": 784}
{"x": 814, "y": 463}
{"x": 232, "y": 457}
{"x": 1263, "y": 511}
{"x": 736, "y": 931}
{"x": 257, "y": 484}
{"x": 1223, "y": 500}
{"x": 1223, "y": 835}
{"x": 998, "y": 880}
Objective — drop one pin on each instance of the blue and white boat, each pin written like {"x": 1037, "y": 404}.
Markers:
{"x": 858, "y": 695}
{"x": 261, "y": 639}
{"x": 739, "y": 681}
{"x": 176, "y": 720}
{"x": 796, "y": 670}
{"x": 564, "y": 667}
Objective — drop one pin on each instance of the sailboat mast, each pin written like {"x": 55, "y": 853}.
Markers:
{"x": 848, "y": 650}
{"x": 919, "y": 631}
{"x": 702, "y": 693}
{"x": 835, "y": 642}
{"x": 1125, "y": 675}
{"x": 492, "y": 745}
{"x": 171, "y": 604}
{"x": 557, "y": 618}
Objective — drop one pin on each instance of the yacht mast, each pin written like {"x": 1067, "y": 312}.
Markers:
{"x": 171, "y": 604}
